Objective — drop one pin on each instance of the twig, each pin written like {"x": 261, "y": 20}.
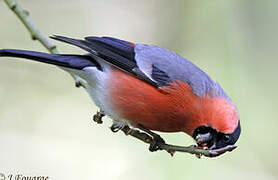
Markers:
{"x": 35, "y": 33}
{"x": 172, "y": 148}
{"x": 33, "y": 30}
{"x": 168, "y": 147}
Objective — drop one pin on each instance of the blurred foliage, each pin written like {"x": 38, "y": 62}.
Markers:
{"x": 46, "y": 124}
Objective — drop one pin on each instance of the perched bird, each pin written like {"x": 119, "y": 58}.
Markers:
{"x": 149, "y": 88}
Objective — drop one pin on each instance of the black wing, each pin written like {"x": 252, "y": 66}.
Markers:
{"x": 117, "y": 52}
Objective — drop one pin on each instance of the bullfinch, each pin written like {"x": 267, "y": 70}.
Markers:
{"x": 148, "y": 87}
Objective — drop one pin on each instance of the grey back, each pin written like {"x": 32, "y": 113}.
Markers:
{"x": 170, "y": 65}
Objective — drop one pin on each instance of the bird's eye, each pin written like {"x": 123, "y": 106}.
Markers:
{"x": 226, "y": 138}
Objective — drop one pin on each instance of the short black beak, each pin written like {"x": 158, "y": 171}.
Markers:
{"x": 206, "y": 140}
{"x": 203, "y": 138}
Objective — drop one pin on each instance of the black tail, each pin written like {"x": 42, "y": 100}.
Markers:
{"x": 64, "y": 60}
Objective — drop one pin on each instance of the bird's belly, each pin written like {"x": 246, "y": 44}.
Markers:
{"x": 140, "y": 103}
{"x": 95, "y": 83}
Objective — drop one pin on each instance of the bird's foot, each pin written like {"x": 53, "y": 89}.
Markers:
{"x": 116, "y": 126}
{"x": 156, "y": 139}
{"x": 98, "y": 117}
{"x": 155, "y": 143}
{"x": 78, "y": 84}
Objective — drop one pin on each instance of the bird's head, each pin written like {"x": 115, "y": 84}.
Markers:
{"x": 208, "y": 137}
{"x": 211, "y": 119}
{"x": 220, "y": 127}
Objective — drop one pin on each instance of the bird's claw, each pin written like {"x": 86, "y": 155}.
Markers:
{"x": 98, "y": 117}
{"x": 155, "y": 143}
{"x": 78, "y": 84}
{"x": 115, "y": 128}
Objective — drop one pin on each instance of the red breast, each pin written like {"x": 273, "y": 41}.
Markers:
{"x": 171, "y": 108}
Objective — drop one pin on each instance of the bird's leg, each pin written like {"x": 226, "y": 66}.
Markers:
{"x": 98, "y": 117}
{"x": 117, "y": 125}
{"x": 77, "y": 81}
{"x": 78, "y": 84}
{"x": 157, "y": 140}
{"x": 115, "y": 128}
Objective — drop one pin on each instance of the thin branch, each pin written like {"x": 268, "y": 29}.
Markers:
{"x": 33, "y": 30}
{"x": 35, "y": 33}
{"x": 172, "y": 148}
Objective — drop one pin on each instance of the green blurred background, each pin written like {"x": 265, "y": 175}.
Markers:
{"x": 46, "y": 123}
